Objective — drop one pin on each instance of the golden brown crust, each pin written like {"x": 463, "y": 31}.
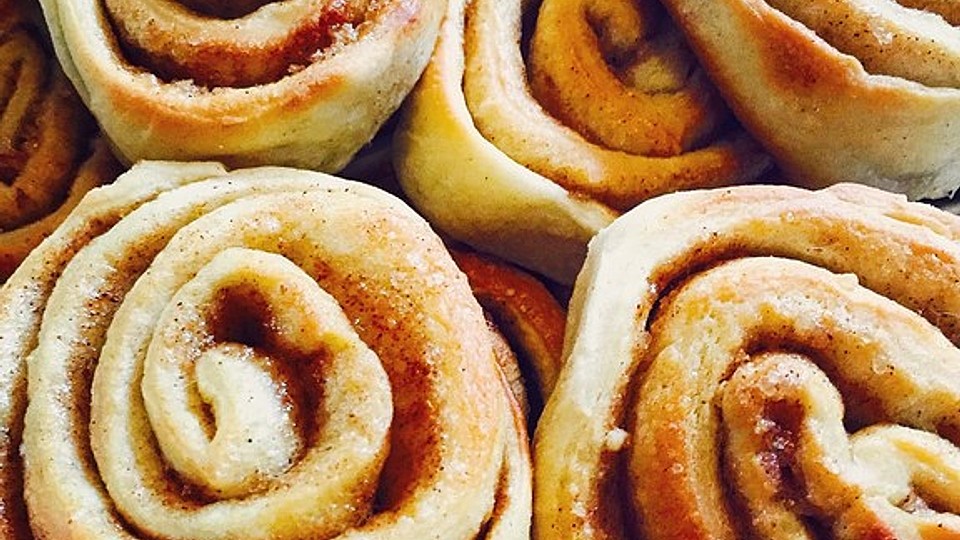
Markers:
{"x": 530, "y": 172}
{"x": 49, "y": 155}
{"x": 524, "y": 311}
{"x": 745, "y": 361}
{"x": 269, "y": 342}
{"x": 840, "y": 91}
{"x": 289, "y": 83}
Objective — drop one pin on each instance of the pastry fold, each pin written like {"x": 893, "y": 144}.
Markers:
{"x": 303, "y": 83}
{"x": 527, "y": 317}
{"x": 49, "y": 155}
{"x": 525, "y": 144}
{"x": 840, "y": 91}
{"x": 759, "y": 362}
{"x": 262, "y": 353}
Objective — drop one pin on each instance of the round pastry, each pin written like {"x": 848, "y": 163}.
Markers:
{"x": 759, "y": 362}
{"x": 303, "y": 83}
{"x": 265, "y": 353}
{"x": 49, "y": 155}
{"x": 616, "y": 111}
{"x": 840, "y": 91}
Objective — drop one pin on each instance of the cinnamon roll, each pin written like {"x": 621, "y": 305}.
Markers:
{"x": 49, "y": 156}
{"x": 616, "y": 110}
{"x": 263, "y": 353}
{"x": 840, "y": 91}
{"x": 303, "y": 83}
{"x": 528, "y": 319}
{"x": 759, "y": 362}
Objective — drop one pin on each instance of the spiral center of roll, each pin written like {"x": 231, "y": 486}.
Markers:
{"x": 620, "y": 74}
{"x": 253, "y": 433}
{"x": 793, "y": 368}
{"x": 788, "y": 453}
{"x": 236, "y": 402}
{"x": 233, "y": 383}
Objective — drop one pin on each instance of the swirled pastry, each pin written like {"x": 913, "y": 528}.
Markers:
{"x": 840, "y": 91}
{"x": 303, "y": 83}
{"x": 527, "y": 317}
{"x": 760, "y": 362}
{"x": 47, "y": 159}
{"x": 616, "y": 111}
{"x": 265, "y": 353}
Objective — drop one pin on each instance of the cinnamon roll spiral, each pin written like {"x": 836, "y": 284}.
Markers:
{"x": 841, "y": 90}
{"x": 303, "y": 83}
{"x": 760, "y": 362}
{"x": 616, "y": 110}
{"x": 528, "y": 319}
{"x": 265, "y": 353}
{"x": 47, "y": 160}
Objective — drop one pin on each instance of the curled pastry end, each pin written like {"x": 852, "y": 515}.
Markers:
{"x": 529, "y": 320}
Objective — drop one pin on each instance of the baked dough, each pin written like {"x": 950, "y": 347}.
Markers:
{"x": 759, "y": 362}
{"x": 303, "y": 83}
{"x": 531, "y": 172}
{"x": 840, "y": 91}
{"x": 50, "y": 154}
{"x": 528, "y": 318}
{"x": 253, "y": 354}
